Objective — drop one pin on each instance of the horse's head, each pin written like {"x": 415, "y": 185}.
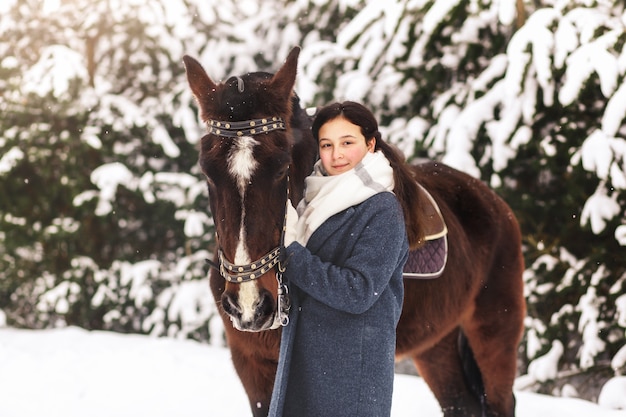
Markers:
{"x": 246, "y": 158}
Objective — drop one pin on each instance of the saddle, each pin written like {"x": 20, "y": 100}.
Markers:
{"x": 429, "y": 261}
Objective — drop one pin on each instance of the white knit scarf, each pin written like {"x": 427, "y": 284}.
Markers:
{"x": 326, "y": 195}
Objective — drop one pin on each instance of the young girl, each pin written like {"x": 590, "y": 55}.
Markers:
{"x": 344, "y": 272}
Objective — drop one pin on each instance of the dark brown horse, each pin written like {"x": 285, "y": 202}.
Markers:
{"x": 461, "y": 330}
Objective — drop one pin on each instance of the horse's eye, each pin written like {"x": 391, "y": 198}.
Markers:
{"x": 280, "y": 174}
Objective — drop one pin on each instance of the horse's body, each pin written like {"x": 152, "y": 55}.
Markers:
{"x": 461, "y": 329}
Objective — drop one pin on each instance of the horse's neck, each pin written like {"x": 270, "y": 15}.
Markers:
{"x": 304, "y": 151}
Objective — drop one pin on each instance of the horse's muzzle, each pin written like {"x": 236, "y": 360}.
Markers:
{"x": 263, "y": 316}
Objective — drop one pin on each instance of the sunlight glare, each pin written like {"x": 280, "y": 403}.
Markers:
{"x": 50, "y": 6}
{"x": 6, "y": 5}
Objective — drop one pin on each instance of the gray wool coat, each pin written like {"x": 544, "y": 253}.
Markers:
{"x": 337, "y": 352}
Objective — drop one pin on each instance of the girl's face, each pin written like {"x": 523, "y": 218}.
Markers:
{"x": 342, "y": 145}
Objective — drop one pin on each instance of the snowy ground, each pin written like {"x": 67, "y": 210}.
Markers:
{"x": 75, "y": 373}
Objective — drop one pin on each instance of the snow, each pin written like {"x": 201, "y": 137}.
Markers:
{"x": 57, "y": 66}
{"x": 160, "y": 136}
{"x": 6, "y": 5}
{"x": 107, "y": 177}
{"x": 137, "y": 275}
{"x": 437, "y": 12}
{"x": 612, "y": 394}
{"x": 506, "y": 12}
{"x": 194, "y": 222}
{"x": 90, "y": 137}
{"x": 546, "y": 367}
{"x": 565, "y": 42}
{"x": 10, "y": 159}
{"x": 580, "y": 65}
{"x": 588, "y": 326}
{"x": 59, "y": 297}
{"x": 186, "y": 118}
{"x": 73, "y": 372}
{"x": 598, "y": 209}
{"x": 620, "y": 234}
{"x": 620, "y": 304}
{"x": 618, "y": 361}
{"x": 597, "y": 154}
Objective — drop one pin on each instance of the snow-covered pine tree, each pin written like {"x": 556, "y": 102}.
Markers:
{"x": 43, "y": 162}
{"x": 527, "y": 96}
{"x": 103, "y": 211}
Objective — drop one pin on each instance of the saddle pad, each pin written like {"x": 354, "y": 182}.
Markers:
{"x": 433, "y": 222}
{"x": 428, "y": 261}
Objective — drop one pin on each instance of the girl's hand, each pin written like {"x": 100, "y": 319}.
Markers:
{"x": 290, "y": 224}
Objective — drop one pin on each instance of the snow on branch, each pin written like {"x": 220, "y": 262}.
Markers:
{"x": 54, "y": 71}
{"x": 599, "y": 209}
{"x": 107, "y": 177}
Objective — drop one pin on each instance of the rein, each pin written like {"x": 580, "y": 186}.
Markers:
{"x": 238, "y": 274}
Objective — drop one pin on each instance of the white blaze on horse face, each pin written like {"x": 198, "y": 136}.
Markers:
{"x": 241, "y": 162}
{"x": 241, "y": 165}
{"x": 248, "y": 292}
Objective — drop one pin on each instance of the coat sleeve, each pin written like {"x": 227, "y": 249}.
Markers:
{"x": 356, "y": 284}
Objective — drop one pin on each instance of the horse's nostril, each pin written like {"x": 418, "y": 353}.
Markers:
{"x": 230, "y": 305}
{"x": 265, "y": 306}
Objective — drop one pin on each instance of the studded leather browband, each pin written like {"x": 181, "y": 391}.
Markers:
{"x": 245, "y": 128}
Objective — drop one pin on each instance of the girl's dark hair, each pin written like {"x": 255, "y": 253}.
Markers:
{"x": 405, "y": 187}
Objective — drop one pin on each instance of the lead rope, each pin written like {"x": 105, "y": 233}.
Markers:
{"x": 283, "y": 300}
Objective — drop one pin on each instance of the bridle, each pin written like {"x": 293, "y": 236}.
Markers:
{"x": 238, "y": 274}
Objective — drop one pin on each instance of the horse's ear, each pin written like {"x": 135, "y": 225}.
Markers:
{"x": 201, "y": 85}
{"x": 284, "y": 80}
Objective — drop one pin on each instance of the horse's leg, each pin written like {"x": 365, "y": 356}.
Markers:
{"x": 493, "y": 333}
{"x": 257, "y": 377}
{"x": 254, "y": 355}
{"x": 442, "y": 369}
